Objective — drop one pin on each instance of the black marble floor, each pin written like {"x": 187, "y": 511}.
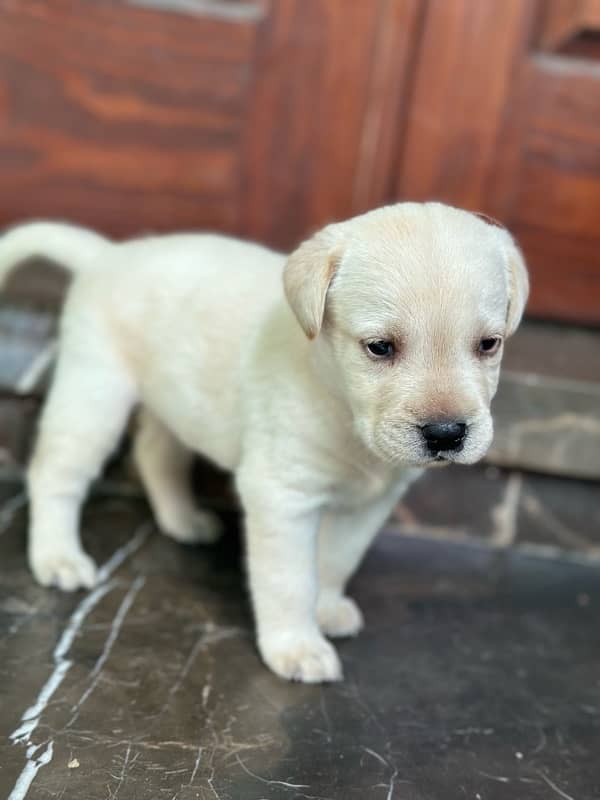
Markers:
{"x": 478, "y": 676}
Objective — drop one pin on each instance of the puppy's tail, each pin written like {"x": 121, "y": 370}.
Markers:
{"x": 71, "y": 247}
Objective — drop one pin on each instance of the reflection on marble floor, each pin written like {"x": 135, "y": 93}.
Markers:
{"x": 477, "y": 675}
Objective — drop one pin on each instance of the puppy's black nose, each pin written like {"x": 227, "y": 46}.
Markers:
{"x": 444, "y": 435}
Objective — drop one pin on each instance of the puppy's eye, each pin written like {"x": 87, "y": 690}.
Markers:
{"x": 489, "y": 346}
{"x": 381, "y": 349}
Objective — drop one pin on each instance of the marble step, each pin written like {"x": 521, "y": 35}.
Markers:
{"x": 547, "y": 410}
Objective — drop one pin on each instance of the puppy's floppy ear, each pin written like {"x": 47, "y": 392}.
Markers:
{"x": 518, "y": 279}
{"x": 518, "y": 282}
{"x": 307, "y": 276}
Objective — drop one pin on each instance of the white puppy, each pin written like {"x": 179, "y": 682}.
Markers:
{"x": 326, "y": 382}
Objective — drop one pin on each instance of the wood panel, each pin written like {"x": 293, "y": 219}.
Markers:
{"x": 304, "y": 121}
{"x": 265, "y": 118}
{"x": 121, "y": 117}
{"x": 321, "y": 132}
{"x": 386, "y": 114}
{"x": 463, "y": 81}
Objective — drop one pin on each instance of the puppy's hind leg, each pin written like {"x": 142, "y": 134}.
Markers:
{"x": 91, "y": 397}
{"x": 164, "y": 466}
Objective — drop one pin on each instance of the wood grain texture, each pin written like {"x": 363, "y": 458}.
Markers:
{"x": 121, "y": 117}
{"x": 305, "y": 130}
{"x": 131, "y": 117}
{"x": 269, "y": 118}
{"x": 513, "y": 132}
{"x": 397, "y": 41}
{"x": 462, "y": 82}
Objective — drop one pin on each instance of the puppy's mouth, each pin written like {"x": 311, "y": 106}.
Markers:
{"x": 468, "y": 454}
{"x": 438, "y": 460}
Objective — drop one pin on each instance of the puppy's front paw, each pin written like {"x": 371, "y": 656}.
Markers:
{"x": 310, "y": 659}
{"x": 68, "y": 570}
{"x": 339, "y": 616}
{"x": 193, "y": 527}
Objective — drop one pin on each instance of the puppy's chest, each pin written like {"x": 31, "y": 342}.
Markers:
{"x": 358, "y": 487}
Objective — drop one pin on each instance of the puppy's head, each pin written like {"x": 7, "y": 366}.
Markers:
{"x": 409, "y": 307}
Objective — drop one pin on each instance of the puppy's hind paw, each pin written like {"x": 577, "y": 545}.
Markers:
{"x": 310, "y": 660}
{"x": 195, "y": 526}
{"x": 339, "y": 616}
{"x": 67, "y": 570}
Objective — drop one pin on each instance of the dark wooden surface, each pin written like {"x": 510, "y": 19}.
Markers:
{"x": 304, "y": 129}
{"x": 132, "y": 119}
{"x": 268, "y": 118}
{"x": 327, "y": 114}
{"x": 121, "y": 117}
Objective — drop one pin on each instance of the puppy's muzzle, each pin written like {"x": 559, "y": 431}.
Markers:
{"x": 444, "y": 436}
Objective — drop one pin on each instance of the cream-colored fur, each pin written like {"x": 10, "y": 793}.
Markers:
{"x": 323, "y": 437}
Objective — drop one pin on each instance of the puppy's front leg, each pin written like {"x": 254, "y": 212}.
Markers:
{"x": 344, "y": 538}
{"x": 281, "y": 533}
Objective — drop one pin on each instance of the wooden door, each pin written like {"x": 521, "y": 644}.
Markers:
{"x": 505, "y": 118}
{"x": 259, "y": 117}
{"x": 268, "y": 118}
